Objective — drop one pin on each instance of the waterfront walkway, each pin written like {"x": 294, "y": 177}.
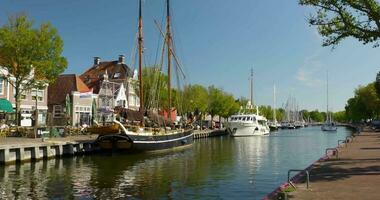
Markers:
{"x": 354, "y": 175}
{"x": 14, "y": 141}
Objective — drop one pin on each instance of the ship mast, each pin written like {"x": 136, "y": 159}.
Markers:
{"x": 274, "y": 103}
{"x": 169, "y": 44}
{"x": 140, "y": 44}
{"x": 251, "y": 91}
{"x": 327, "y": 96}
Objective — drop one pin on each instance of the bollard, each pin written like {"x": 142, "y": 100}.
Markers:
{"x": 349, "y": 139}
{"x": 335, "y": 152}
{"x": 341, "y": 141}
{"x": 299, "y": 170}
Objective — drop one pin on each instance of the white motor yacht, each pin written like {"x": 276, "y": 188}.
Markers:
{"x": 247, "y": 125}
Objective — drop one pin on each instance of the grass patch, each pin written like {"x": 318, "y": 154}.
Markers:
{"x": 289, "y": 189}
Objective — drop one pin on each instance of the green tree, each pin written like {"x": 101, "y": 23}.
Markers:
{"x": 195, "y": 98}
{"x": 266, "y": 111}
{"x": 364, "y": 105}
{"x": 215, "y": 103}
{"x": 155, "y": 88}
{"x": 229, "y": 106}
{"x": 30, "y": 55}
{"x": 377, "y": 84}
{"x": 317, "y": 116}
{"x": 340, "y": 116}
{"x": 339, "y": 19}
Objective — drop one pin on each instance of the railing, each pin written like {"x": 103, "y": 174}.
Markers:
{"x": 342, "y": 141}
{"x": 299, "y": 170}
{"x": 335, "y": 152}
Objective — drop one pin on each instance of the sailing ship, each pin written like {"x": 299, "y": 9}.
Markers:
{"x": 141, "y": 138}
{"x": 248, "y": 124}
{"x": 329, "y": 124}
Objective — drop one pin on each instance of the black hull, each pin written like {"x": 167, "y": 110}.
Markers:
{"x": 154, "y": 143}
{"x": 141, "y": 143}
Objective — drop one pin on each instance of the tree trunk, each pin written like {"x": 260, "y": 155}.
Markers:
{"x": 17, "y": 101}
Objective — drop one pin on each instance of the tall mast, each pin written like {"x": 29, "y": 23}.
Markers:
{"x": 168, "y": 42}
{"x": 140, "y": 43}
{"x": 251, "y": 87}
{"x": 327, "y": 96}
{"x": 274, "y": 103}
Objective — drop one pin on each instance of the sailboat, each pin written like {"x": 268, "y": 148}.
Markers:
{"x": 143, "y": 138}
{"x": 329, "y": 125}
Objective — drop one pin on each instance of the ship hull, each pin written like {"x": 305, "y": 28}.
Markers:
{"x": 142, "y": 143}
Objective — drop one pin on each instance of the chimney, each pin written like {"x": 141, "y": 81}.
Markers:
{"x": 96, "y": 60}
{"x": 121, "y": 59}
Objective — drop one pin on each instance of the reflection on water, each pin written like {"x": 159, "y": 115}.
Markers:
{"x": 214, "y": 168}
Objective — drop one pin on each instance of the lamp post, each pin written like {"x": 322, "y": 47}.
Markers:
{"x": 36, "y": 116}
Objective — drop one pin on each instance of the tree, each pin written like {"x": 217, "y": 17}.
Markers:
{"x": 215, "y": 103}
{"x": 317, "y": 116}
{"x": 339, "y": 19}
{"x": 364, "y": 105}
{"x": 377, "y": 84}
{"x": 195, "y": 98}
{"x": 340, "y": 116}
{"x": 30, "y": 55}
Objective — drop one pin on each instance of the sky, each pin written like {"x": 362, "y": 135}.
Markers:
{"x": 217, "y": 42}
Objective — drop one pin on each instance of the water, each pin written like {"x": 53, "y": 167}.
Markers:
{"x": 214, "y": 168}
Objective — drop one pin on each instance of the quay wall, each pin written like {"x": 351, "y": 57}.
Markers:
{"x": 10, "y": 154}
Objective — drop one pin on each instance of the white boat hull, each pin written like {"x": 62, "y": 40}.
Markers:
{"x": 241, "y": 130}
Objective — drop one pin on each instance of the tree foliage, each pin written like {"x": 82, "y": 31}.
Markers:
{"x": 364, "y": 105}
{"x": 31, "y": 55}
{"x": 339, "y": 19}
{"x": 377, "y": 84}
{"x": 195, "y": 98}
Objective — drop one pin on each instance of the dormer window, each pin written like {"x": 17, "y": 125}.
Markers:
{"x": 117, "y": 75}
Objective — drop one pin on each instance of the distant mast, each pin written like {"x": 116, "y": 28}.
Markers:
{"x": 168, "y": 42}
{"x": 274, "y": 103}
{"x": 327, "y": 97}
{"x": 140, "y": 44}
{"x": 251, "y": 91}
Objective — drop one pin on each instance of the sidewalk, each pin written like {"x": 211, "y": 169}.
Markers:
{"x": 355, "y": 175}
{"x": 14, "y": 141}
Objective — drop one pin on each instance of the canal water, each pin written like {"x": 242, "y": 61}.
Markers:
{"x": 213, "y": 168}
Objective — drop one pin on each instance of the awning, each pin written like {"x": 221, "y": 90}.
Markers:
{"x": 5, "y": 106}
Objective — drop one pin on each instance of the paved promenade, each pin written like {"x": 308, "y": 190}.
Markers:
{"x": 14, "y": 141}
{"x": 355, "y": 175}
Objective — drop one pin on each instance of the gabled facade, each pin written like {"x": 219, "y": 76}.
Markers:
{"x": 113, "y": 72}
{"x": 70, "y": 101}
{"x": 29, "y": 99}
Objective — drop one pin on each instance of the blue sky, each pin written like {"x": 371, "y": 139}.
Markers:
{"x": 217, "y": 42}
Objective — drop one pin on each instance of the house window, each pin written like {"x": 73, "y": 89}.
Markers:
{"x": 1, "y": 86}
{"x": 116, "y": 75}
{"x": 57, "y": 111}
{"x": 40, "y": 95}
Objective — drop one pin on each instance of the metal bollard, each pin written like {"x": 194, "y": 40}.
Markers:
{"x": 299, "y": 170}
{"x": 335, "y": 152}
{"x": 343, "y": 141}
{"x": 348, "y": 138}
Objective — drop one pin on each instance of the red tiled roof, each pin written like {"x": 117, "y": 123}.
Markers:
{"x": 65, "y": 84}
{"x": 93, "y": 76}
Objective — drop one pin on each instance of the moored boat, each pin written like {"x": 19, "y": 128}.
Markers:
{"x": 329, "y": 125}
{"x": 141, "y": 138}
{"x": 247, "y": 125}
